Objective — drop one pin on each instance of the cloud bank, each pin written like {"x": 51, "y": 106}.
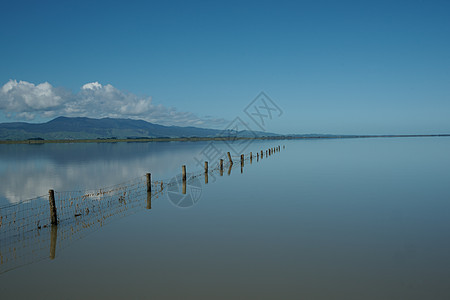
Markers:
{"x": 22, "y": 100}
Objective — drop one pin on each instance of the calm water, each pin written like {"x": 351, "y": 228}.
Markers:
{"x": 322, "y": 219}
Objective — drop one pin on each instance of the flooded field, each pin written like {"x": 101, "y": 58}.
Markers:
{"x": 319, "y": 219}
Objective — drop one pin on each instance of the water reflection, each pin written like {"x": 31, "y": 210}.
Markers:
{"x": 27, "y": 172}
{"x": 53, "y": 239}
{"x": 22, "y": 247}
{"x": 30, "y": 170}
{"x": 324, "y": 219}
{"x": 82, "y": 212}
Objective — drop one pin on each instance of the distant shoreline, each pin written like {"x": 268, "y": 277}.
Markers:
{"x": 197, "y": 139}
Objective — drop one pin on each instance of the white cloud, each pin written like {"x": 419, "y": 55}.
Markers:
{"x": 25, "y": 101}
{"x": 91, "y": 86}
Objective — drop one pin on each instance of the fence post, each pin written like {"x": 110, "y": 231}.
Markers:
{"x": 149, "y": 182}
{"x": 262, "y": 154}
{"x": 149, "y": 190}
{"x": 229, "y": 158}
{"x": 51, "y": 199}
{"x": 221, "y": 167}
{"x": 251, "y": 157}
{"x": 206, "y": 172}
{"x": 183, "y": 168}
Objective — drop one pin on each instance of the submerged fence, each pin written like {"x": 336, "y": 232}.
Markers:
{"x": 33, "y": 229}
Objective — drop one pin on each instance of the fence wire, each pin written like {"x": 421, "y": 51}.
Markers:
{"x": 26, "y": 232}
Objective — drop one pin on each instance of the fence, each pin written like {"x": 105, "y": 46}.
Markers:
{"x": 34, "y": 229}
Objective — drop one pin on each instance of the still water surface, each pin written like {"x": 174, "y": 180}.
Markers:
{"x": 322, "y": 219}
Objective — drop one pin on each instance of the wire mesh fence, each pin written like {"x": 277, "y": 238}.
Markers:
{"x": 98, "y": 204}
{"x": 27, "y": 234}
{"x": 19, "y": 218}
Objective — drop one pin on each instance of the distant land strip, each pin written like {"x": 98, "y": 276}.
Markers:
{"x": 195, "y": 139}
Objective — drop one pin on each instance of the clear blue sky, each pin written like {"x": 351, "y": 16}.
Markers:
{"x": 350, "y": 67}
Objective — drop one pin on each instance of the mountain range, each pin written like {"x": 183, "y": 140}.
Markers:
{"x": 65, "y": 128}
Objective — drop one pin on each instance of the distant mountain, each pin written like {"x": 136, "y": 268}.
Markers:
{"x": 87, "y": 128}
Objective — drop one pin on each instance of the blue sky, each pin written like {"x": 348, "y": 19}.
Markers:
{"x": 346, "y": 67}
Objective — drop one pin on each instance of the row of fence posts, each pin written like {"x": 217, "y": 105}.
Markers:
{"x": 269, "y": 152}
{"x": 53, "y": 212}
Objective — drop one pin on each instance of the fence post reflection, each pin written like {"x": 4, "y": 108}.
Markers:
{"x": 53, "y": 238}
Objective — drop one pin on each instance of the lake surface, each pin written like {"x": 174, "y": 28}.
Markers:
{"x": 321, "y": 219}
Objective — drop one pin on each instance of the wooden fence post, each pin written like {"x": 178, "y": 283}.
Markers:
{"x": 221, "y": 167}
{"x": 206, "y": 172}
{"x": 251, "y": 157}
{"x": 149, "y": 182}
{"x": 149, "y": 190}
{"x": 229, "y": 158}
{"x": 183, "y": 169}
{"x": 51, "y": 199}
